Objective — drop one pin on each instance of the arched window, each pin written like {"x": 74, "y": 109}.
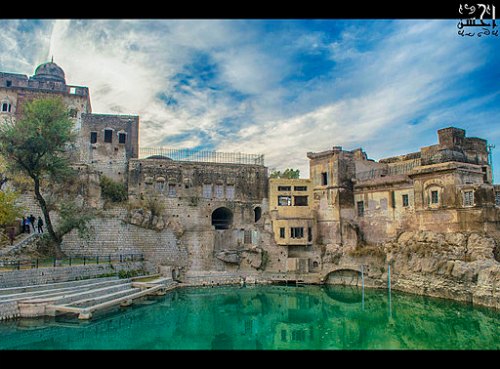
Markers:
{"x": 6, "y": 107}
{"x": 222, "y": 218}
{"x": 258, "y": 213}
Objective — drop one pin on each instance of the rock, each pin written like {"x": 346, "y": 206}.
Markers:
{"x": 136, "y": 219}
{"x": 480, "y": 247}
{"x": 229, "y": 256}
{"x": 160, "y": 225}
{"x": 405, "y": 237}
{"x": 254, "y": 257}
{"x": 456, "y": 239}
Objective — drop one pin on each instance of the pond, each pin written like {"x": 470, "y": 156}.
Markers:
{"x": 269, "y": 318}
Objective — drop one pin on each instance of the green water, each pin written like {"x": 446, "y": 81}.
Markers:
{"x": 267, "y": 317}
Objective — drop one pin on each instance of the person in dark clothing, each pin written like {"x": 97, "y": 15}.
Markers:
{"x": 32, "y": 221}
{"x": 12, "y": 235}
{"x": 27, "y": 225}
{"x": 23, "y": 225}
{"x": 40, "y": 225}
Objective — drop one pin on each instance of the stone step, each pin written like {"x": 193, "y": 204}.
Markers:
{"x": 86, "y": 313}
{"x": 86, "y": 302}
{"x": 48, "y": 286}
{"x": 58, "y": 291}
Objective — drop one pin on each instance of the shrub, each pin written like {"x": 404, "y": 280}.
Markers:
{"x": 113, "y": 191}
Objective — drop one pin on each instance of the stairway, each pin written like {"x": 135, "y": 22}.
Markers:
{"x": 81, "y": 297}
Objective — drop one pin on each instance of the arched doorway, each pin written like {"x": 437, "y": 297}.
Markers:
{"x": 258, "y": 213}
{"x": 222, "y": 218}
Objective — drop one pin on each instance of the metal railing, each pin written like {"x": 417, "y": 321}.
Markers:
{"x": 391, "y": 170}
{"x": 8, "y": 265}
{"x": 200, "y": 156}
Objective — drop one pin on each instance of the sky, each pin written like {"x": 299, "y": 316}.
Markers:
{"x": 281, "y": 88}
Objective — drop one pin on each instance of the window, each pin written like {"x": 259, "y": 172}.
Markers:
{"x": 283, "y": 335}
{"x": 497, "y": 198}
{"x": 468, "y": 198}
{"x": 300, "y": 188}
{"x": 434, "y": 197}
{"x": 160, "y": 185}
{"x": 73, "y": 113}
{"x": 309, "y": 234}
{"x": 324, "y": 179}
{"x": 72, "y": 90}
{"x": 405, "y": 201}
{"x": 122, "y": 138}
{"x": 361, "y": 208}
{"x": 207, "y": 191}
{"x": 282, "y": 232}
{"x": 297, "y": 232}
{"x": 284, "y": 188}
{"x": 393, "y": 199}
{"x": 298, "y": 336}
{"x": 230, "y": 192}
{"x": 257, "y": 213}
{"x": 247, "y": 237}
{"x": 8, "y": 83}
{"x": 300, "y": 200}
{"x": 6, "y": 107}
{"x": 172, "y": 190}
{"x": 219, "y": 191}
{"x": 93, "y": 137}
{"x": 284, "y": 200}
{"x": 108, "y": 135}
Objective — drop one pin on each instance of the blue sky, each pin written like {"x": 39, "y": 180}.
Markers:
{"x": 277, "y": 87}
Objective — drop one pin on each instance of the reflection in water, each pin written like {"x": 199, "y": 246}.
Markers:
{"x": 268, "y": 317}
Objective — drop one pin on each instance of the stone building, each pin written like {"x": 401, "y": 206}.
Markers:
{"x": 445, "y": 187}
{"x": 216, "y": 218}
{"x": 294, "y": 222}
{"x": 104, "y": 141}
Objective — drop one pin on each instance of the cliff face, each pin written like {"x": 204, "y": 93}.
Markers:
{"x": 459, "y": 266}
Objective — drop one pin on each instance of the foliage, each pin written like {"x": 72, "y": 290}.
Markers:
{"x": 129, "y": 273}
{"x": 153, "y": 204}
{"x": 287, "y": 173}
{"x": 112, "y": 190}
{"x": 9, "y": 210}
{"x": 39, "y": 145}
{"x": 74, "y": 217}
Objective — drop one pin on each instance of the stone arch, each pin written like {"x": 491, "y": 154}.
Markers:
{"x": 222, "y": 218}
{"x": 344, "y": 276}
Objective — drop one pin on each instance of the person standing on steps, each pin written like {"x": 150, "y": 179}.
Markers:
{"x": 27, "y": 225}
{"x": 32, "y": 221}
{"x": 40, "y": 225}
{"x": 23, "y": 225}
{"x": 12, "y": 235}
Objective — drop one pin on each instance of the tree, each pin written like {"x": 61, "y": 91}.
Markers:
{"x": 37, "y": 145}
{"x": 288, "y": 173}
{"x": 9, "y": 210}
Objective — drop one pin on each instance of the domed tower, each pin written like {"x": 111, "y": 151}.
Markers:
{"x": 49, "y": 71}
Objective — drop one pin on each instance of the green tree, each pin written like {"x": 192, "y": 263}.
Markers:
{"x": 37, "y": 145}
{"x": 287, "y": 173}
{"x": 9, "y": 210}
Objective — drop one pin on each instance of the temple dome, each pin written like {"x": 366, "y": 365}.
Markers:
{"x": 49, "y": 71}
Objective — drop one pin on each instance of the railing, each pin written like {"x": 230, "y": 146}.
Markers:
{"x": 391, "y": 170}
{"x": 201, "y": 156}
{"x": 8, "y": 265}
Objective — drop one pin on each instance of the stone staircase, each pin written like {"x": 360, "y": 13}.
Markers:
{"x": 20, "y": 244}
{"x": 78, "y": 297}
